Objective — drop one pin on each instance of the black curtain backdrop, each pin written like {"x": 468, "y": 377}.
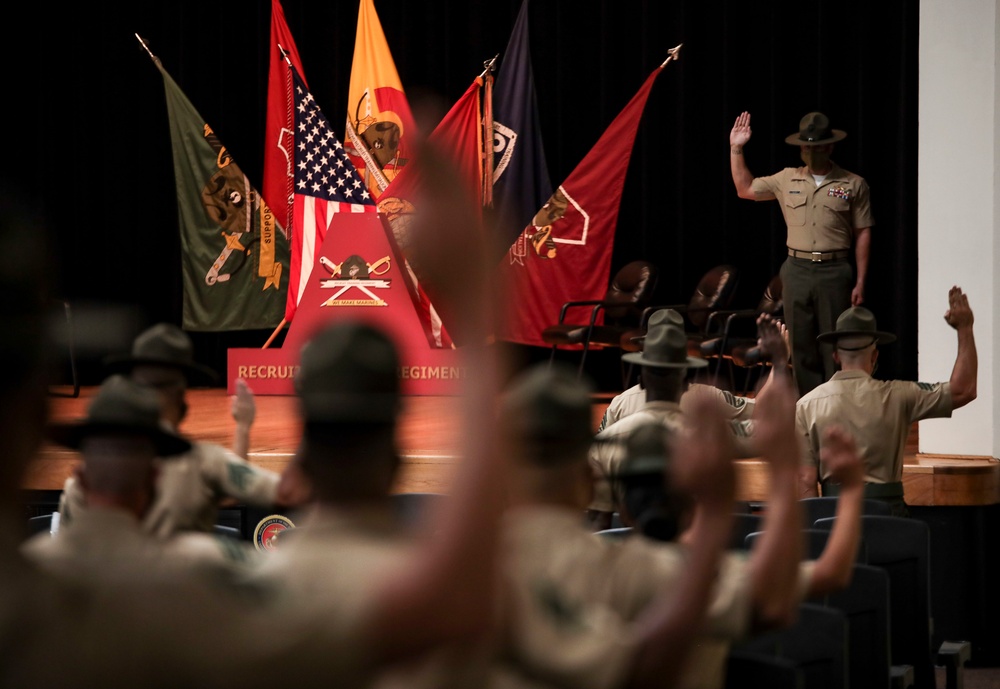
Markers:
{"x": 88, "y": 139}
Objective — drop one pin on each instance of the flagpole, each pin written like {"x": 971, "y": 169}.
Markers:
{"x": 486, "y": 145}
{"x": 143, "y": 43}
{"x": 674, "y": 54}
{"x": 281, "y": 325}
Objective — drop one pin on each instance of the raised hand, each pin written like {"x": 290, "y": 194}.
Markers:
{"x": 839, "y": 454}
{"x": 958, "y": 315}
{"x": 741, "y": 130}
{"x": 704, "y": 454}
{"x": 772, "y": 338}
{"x": 774, "y": 422}
{"x": 244, "y": 407}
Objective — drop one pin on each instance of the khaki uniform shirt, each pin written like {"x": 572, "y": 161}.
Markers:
{"x": 575, "y": 570}
{"x": 819, "y": 218}
{"x": 336, "y": 560}
{"x": 878, "y": 414}
{"x": 109, "y": 544}
{"x": 608, "y": 453}
{"x": 633, "y": 399}
{"x": 190, "y": 488}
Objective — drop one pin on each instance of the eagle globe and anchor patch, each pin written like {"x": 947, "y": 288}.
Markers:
{"x": 266, "y": 535}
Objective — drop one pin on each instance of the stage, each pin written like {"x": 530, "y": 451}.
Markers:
{"x": 428, "y": 442}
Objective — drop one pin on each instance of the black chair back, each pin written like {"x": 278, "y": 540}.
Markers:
{"x": 901, "y": 547}
{"x": 816, "y": 643}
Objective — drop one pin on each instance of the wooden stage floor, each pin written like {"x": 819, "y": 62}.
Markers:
{"x": 429, "y": 444}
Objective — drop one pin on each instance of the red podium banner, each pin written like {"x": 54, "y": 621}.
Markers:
{"x": 360, "y": 275}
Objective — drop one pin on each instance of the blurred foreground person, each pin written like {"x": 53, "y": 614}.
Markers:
{"x": 563, "y": 626}
{"x": 191, "y": 487}
{"x": 120, "y": 440}
{"x": 661, "y": 515}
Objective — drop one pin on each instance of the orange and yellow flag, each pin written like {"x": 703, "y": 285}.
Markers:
{"x": 379, "y": 121}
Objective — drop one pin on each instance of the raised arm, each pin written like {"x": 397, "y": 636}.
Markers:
{"x": 244, "y": 411}
{"x": 965, "y": 372}
{"x": 738, "y": 138}
{"x": 774, "y": 561}
{"x": 448, "y": 594}
{"x": 704, "y": 468}
{"x": 835, "y": 566}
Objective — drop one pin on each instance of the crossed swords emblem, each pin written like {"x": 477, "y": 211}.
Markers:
{"x": 355, "y": 272}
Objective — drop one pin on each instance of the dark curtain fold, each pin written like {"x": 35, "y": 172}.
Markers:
{"x": 90, "y": 133}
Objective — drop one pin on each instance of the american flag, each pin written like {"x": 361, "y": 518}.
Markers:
{"x": 326, "y": 182}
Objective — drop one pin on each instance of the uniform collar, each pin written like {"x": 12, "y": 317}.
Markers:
{"x": 836, "y": 174}
{"x": 662, "y": 405}
{"x": 849, "y": 375}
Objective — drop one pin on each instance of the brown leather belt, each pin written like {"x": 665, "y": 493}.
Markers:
{"x": 819, "y": 256}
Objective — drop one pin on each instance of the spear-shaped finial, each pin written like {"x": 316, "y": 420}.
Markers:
{"x": 489, "y": 64}
{"x": 674, "y": 54}
{"x": 143, "y": 43}
{"x": 284, "y": 54}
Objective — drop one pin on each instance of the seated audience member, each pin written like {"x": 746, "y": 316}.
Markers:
{"x": 664, "y": 364}
{"x": 120, "y": 440}
{"x": 192, "y": 487}
{"x": 661, "y": 514}
{"x": 879, "y": 414}
{"x": 560, "y": 624}
{"x": 634, "y": 398}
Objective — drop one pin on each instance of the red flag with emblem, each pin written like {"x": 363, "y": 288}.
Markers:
{"x": 278, "y": 134}
{"x": 565, "y": 253}
{"x": 458, "y": 137}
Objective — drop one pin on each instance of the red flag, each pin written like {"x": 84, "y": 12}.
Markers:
{"x": 326, "y": 183}
{"x": 278, "y": 135}
{"x": 458, "y": 137}
{"x": 565, "y": 253}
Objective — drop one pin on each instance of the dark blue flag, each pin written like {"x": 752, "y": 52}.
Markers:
{"x": 521, "y": 182}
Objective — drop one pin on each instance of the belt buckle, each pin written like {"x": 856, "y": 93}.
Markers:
{"x": 816, "y": 256}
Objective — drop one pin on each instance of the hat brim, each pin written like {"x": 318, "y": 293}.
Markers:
{"x": 196, "y": 372}
{"x": 880, "y": 337}
{"x": 71, "y": 435}
{"x": 796, "y": 140}
{"x": 637, "y": 358}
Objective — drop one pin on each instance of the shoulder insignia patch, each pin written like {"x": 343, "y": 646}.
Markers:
{"x": 561, "y": 611}
{"x": 740, "y": 429}
{"x": 239, "y": 475}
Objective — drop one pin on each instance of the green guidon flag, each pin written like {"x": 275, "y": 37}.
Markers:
{"x": 234, "y": 254}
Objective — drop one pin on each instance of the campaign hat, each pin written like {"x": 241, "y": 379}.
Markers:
{"x": 814, "y": 130}
{"x": 121, "y": 407}
{"x": 163, "y": 344}
{"x": 665, "y": 346}
{"x": 857, "y": 322}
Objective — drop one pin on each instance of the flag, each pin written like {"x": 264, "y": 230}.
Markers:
{"x": 521, "y": 183}
{"x": 325, "y": 183}
{"x": 379, "y": 122}
{"x": 565, "y": 252}
{"x": 278, "y": 135}
{"x": 458, "y": 138}
{"x": 234, "y": 254}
